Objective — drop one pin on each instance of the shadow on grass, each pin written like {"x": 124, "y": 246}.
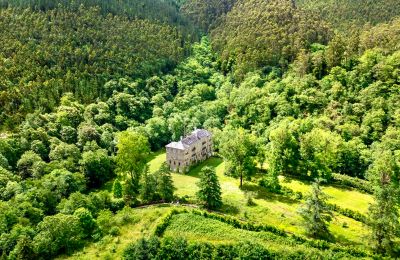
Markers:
{"x": 229, "y": 209}
{"x": 152, "y": 156}
{"x": 210, "y": 162}
{"x": 264, "y": 194}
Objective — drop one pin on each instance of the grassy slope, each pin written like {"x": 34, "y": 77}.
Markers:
{"x": 112, "y": 247}
{"x": 269, "y": 209}
{"x": 273, "y": 209}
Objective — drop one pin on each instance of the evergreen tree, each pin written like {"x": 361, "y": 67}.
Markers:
{"x": 209, "y": 189}
{"x": 383, "y": 214}
{"x": 316, "y": 214}
{"x": 117, "y": 189}
{"x": 149, "y": 187}
{"x": 165, "y": 183}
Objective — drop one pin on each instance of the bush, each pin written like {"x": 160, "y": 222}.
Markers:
{"x": 114, "y": 231}
{"x": 271, "y": 183}
{"x": 353, "y": 182}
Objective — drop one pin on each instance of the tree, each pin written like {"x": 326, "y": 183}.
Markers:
{"x": 30, "y": 165}
{"x": 97, "y": 167}
{"x": 320, "y": 153}
{"x": 209, "y": 189}
{"x": 86, "y": 220}
{"x": 238, "y": 148}
{"x": 57, "y": 233}
{"x": 165, "y": 184}
{"x": 149, "y": 191}
{"x": 117, "y": 189}
{"x": 383, "y": 216}
{"x": 316, "y": 213}
{"x": 133, "y": 149}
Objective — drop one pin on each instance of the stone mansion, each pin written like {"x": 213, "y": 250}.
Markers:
{"x": 193, "y": 148}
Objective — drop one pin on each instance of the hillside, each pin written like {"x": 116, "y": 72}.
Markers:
{"x": 39, "y": 64}
{"x": 304, "y": 119}
{"x": 346, "y": 13}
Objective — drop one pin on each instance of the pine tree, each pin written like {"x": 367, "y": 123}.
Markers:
{"x": 316, "y": 214}
{"x": 149, "y": 187}
{"x": 165, "y": 184}
{"x": 210, "y": 190}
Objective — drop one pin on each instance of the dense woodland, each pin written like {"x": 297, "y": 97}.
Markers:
{"x": 88, "y": 91}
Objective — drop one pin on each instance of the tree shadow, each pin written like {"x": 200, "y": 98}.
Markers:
{"x": 229, "y": 209}
{"x": 153, "y": 155}
{"x": 264, "y": 194}
{"x": 213, "y": 162}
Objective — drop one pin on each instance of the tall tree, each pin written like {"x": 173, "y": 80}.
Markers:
{"x": 165, "y": 183}
{"x": 383, "y": 214}
{"x": 133, "y": 149}
{"x": 315, "y": 213}
{"x": 238, "y": 149}
{"x": 209, "y": 188}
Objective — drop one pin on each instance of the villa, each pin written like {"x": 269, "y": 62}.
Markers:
{"x": 190, "y": 150}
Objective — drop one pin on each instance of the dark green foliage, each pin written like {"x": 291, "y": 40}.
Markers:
{"x": 180, "y": 248}
{"x": 206, "y": 13}
{"x": 149, "y": 192}
{"x": 209, "y": 189}
{"x": 165, "y": 185}
{"x": 144, "y": 249}
{"x": 97, "y": 167}
{"x": 72, "y": 60}
{"x": 316, "y": 213}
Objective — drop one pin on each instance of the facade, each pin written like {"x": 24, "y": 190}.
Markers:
{"x": 193, "y": 148}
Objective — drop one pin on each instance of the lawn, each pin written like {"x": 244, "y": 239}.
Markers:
{"x": 270, "y": 208}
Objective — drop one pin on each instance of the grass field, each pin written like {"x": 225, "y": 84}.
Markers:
{"x": 112, "y": 247}
{"x": 269, "y": 208}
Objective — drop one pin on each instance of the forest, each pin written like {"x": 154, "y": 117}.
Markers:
{"x": 302, "y": 103}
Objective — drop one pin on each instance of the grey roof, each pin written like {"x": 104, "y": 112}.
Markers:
{"x": 176, "y": 145}
{"x": 194, "y": 137}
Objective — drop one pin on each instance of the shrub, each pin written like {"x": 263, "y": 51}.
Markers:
{"x": 353, "y": 182}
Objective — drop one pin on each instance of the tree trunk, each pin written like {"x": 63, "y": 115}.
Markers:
{"x": 241, "y": 180}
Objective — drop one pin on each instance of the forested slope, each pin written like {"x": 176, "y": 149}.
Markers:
{"x": 47, "y": 53}
{"x": 158, "y": 10}
{"x": 346, "y": 13}
{"x": 90, "y": 97}
{"x": 257, "y": 33}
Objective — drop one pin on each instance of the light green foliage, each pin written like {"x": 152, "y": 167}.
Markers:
{"x": 30, "y": 165}
{"x": 209, "y": 189}
{"x": 133, "y": 149}
{"x": 117, "y": 189}
{"x": 86, "y": 220}
{"x": 320, "y": 151}
{"x": 383, "y": 214}
{"x": 238, "y": 149}
{"x": 57, "y": 233}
